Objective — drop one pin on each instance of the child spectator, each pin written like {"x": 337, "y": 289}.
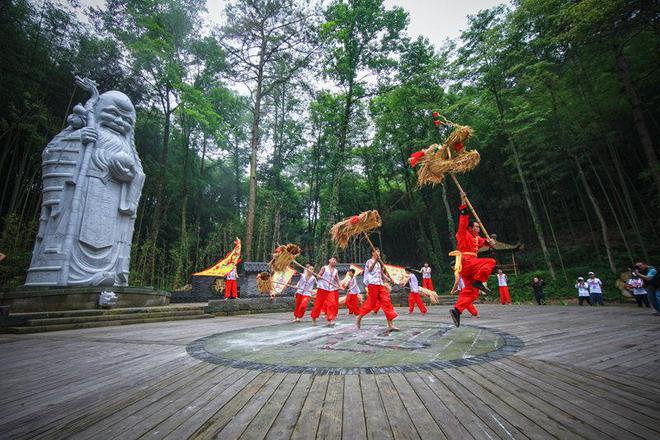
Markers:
{"x": 595, "y": 289}
{"x": 583, "y": 291}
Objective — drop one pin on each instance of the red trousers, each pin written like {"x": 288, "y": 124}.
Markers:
{"x": 378, "y": 296}
{"x": 230, "y": 289}
{"x": 427, "y": 283}
{"x": 413, "y": 299}
{"x": 505, "y": 298}
{"x": 329, "y": 298}
{"x": 466, "y": 298}
{"x": 301, "y": 305}
{"x": 352, "y": 303}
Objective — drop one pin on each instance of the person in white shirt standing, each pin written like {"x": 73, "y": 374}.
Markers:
{"x": 595, "y": 289}
{"x": 304, "y": 292}
{"x": 636, "y": 285}
{"x": 503, "y": 282}
{"x": 427, "y": 281}
{"x": 583, "y": 291}
{"x": 414, "y": 298}
{"x": 230, "y": 284}
{"x": 327, "y": 293}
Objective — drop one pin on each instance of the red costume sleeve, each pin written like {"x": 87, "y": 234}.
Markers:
{"x": 463, "y": 220}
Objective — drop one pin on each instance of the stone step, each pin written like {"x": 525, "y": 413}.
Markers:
{"x": 103, "y": 312}
{"x": 57, "y": 327}
{"x": 111, "y": 317}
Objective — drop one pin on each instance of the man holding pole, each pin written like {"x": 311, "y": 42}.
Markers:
{"x": 377, "y": 294}
{"x": 474, "y": 271}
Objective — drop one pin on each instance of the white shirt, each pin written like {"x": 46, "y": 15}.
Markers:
{"x": 413, "y": 283}
{"x": 595, "y": 285}
{"x": 232, "y": 275}
{"x": 461, "y": 284}
{"x": 353, "y": 287}
{"x": 638, "y": 286}
{"x": 502, "y": 279}
{"x": 426, "y": 272}
{"x": 327, "y": 281}
{"x": 375, "y": 276}
{"x": 583, "y": 289}
{"x": 305, "y": 285}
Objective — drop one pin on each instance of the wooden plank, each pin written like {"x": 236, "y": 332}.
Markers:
{"x": 285, "y": 422}
{"x": 260, "y": 425}
{"x": 330, "y": 424}
{"x": 400, "y": 422}
{"x": 474, "y": 398}
{"x": 543, "y": 419}
{"x": 354, "y": 423}
{"x": 310, "y": 414}
{"x": 604, "y": 415}
{"x": 247, "y": 413}
{"x": 218, "y": 399}
{"x": 445, "y": 419}
{"x": 419, "y": 415}
{"x": 212, "y": 427}
{"x": 378, "y": 426}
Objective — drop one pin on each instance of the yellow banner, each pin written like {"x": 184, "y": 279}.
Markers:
{"x": 224, "y": 266}
{"x": 281, "y": 279}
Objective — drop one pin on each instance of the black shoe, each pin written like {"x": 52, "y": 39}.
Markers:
{"x": 455, "y": 316}
{"x": 479, "y": 285}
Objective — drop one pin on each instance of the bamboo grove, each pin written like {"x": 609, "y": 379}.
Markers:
{"x": 292, "y": 115}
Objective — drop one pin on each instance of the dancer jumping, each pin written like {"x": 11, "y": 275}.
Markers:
{"x": 474, "y": 270}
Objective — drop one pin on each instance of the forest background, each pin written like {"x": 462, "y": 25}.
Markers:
{"x": 293, "y": 115}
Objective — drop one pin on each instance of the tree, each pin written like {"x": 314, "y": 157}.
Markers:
{"x": 267, "y": 42}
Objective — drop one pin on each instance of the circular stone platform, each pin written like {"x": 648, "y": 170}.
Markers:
{"x": 345, "y": 350}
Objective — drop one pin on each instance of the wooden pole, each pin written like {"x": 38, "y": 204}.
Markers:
{"x": 380, "y": 260}
{"x": 474, "y": 213}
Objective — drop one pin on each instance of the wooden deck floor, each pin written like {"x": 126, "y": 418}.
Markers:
{"x": 583, "y": 373}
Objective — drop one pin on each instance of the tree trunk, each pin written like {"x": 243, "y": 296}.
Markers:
{"x": 638, "y": 119}
{"x": 159, "y": 196}
{"x": 254, "y": 146}
{"x": 552, "y": 229}
{"x": 599, "y": 214}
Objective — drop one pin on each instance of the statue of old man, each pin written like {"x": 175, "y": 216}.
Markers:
{"x": 92, "y": 181}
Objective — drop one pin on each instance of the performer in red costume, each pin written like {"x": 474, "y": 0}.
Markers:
{"x": 327, "y": 293}
{"x": 377, "y": 293}
{"x": 474, "y": 270}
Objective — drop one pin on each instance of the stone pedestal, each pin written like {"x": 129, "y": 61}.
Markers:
{"x": 25, "y": 300}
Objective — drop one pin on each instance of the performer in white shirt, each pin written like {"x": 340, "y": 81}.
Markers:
{"x": 377, "y": 294}
{"x": 595, "y": 289}
{"x": 304, "y": 292}
{"x": 583, "y": 291}
{"x": 352, "y": 301}
{"x": 414, "y": 298}
{"x": 427, "y": 281}
{"x": 327, "y": 293}
{"x": 503, "y": 282}
{"x": 230, "y": 284}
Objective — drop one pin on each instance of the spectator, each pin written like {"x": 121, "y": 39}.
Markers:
{"x": 636, "y": 285}
{"x": 537, "y": 286}
{"x": 651, "y": 282}
{"x": 583, "y": 291}
{"x": 595, "y": 289}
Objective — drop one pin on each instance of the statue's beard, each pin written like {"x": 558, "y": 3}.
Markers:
{"x": 109, "y": 143}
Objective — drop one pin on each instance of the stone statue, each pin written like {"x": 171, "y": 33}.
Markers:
{"x": 92, "y": 181}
